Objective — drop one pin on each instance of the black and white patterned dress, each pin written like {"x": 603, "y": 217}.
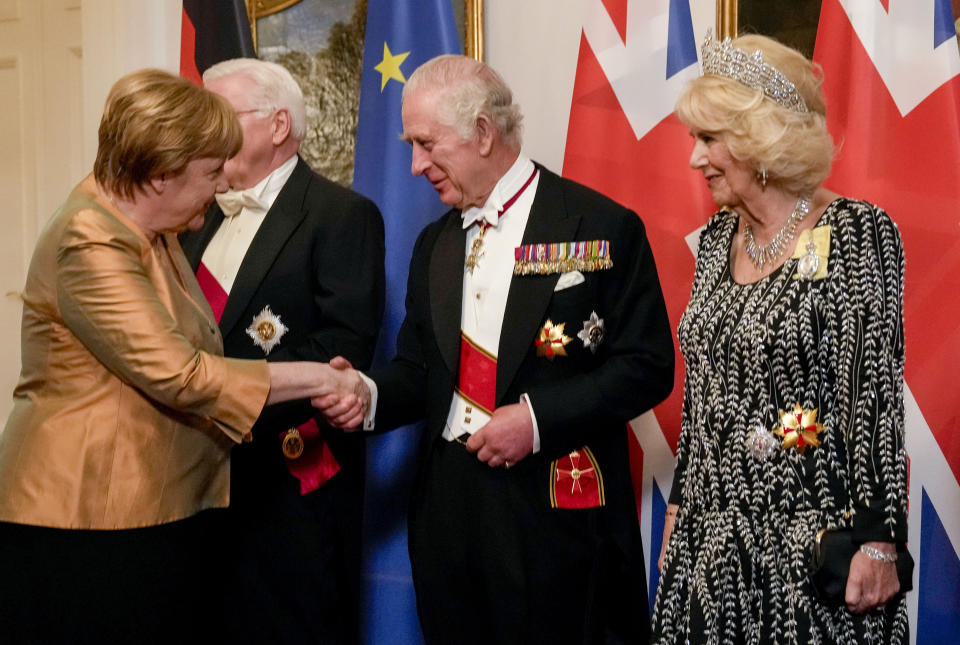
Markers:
{"x": 738, "y": 563}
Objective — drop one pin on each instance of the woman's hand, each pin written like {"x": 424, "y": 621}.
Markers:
{"x": 668, "y": 520}
{"x": 309, "y": 380}
{"x": 871, "y": 582}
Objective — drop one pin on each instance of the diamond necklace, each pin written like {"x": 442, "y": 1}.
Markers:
{"x": 761, "y": 254}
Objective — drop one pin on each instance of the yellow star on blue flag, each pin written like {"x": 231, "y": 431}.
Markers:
{"x": 389, "y": 67}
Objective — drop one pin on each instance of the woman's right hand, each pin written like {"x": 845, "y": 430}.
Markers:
{"x": 668, "y": 520}
{"x": 309, "y": 380}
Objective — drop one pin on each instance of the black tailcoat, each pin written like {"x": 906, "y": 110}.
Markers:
{"x": 317, "y": 261}
{"x": 492, "y": 561}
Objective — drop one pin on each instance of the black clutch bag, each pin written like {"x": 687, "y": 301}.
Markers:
{"x": 832, "y": 551}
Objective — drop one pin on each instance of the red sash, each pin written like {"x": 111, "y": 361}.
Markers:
{"x": 317, "y": 464}
{"x": 212, "y": 291}
{"x": 477, "y": 376}
{"x": 576, "y": 481}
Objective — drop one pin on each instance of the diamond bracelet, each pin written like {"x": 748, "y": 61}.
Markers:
{"x": 876, "y": 554}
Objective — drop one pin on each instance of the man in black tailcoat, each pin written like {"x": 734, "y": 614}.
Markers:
{"x": 292, "y": 265}
{"x": 535, "y": 329}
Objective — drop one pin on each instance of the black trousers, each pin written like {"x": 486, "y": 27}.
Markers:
{"x": 293, "y": 562}
{"x": 493, "y": 563}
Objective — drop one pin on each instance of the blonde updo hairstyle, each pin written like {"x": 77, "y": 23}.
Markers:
{"x": 154, "y": 124}
{"x": 794, "y": 148}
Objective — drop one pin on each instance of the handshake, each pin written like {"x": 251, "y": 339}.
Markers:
{"x": 334, "y": 388}
{"x": 343, "y": 396}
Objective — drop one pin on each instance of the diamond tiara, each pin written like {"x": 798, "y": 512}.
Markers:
{"x": 723, "y": 59}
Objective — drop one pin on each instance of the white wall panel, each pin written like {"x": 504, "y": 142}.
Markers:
{"x": 120, "y": 36}
{"x": 12, "y": 243}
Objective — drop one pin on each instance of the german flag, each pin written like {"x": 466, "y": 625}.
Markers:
{"x": 213, "y": 31}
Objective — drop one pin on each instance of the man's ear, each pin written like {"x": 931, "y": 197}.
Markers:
{"x": 486, "y": 133}
{"x": 281, "y": 126}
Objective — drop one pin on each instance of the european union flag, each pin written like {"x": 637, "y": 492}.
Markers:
{"x": 400, "y": 35}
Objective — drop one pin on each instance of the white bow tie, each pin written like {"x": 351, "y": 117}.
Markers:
{"x": 488, "y": 214}
{"x": 234, "y": 201}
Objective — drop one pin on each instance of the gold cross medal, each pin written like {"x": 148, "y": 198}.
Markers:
{"x": 576, "y": 481}
{"x": 476, "y": 250}
{"x": 266, "y": 330}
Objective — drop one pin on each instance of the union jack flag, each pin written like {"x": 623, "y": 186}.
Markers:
{"x": 892, "y": 82}
{"x": 623, "y": 140}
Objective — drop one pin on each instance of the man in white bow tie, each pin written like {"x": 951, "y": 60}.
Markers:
{"x": 535, "y": 329}
{"x": 292, "y": 265}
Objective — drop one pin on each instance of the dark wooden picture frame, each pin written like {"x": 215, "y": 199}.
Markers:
{"x": 792, "y": 22}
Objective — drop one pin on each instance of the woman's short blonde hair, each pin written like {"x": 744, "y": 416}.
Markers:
{"x": 155, "y": 123}
{"x": 794, "y": 148}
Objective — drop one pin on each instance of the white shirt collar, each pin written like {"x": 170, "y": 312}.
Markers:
{"x": 508, "y": 185}
{"x": 270, "y": 186}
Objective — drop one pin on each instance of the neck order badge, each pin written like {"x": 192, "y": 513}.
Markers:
{"x": 476, "y": 249}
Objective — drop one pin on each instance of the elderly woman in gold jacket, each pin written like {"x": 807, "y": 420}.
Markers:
{"x": 126, "y": 409}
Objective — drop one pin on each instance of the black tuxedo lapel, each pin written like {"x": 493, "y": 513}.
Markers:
{"x": 194, "y": 244}
{"x": 281, "y": 221}
{"x": 446, "y": 288}
{"x": 530, "y": 295}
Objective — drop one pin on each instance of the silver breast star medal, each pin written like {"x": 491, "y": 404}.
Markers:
{"x": 592, "y": 332}
{"x": 761, "y": 444}
{"x": 266, "y": 330}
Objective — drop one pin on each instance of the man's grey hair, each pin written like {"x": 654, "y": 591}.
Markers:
{"x": 275, "y": 88}
{"x": 467, "y": 88}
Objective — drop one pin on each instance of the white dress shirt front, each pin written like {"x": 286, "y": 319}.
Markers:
{"x": 228, "y": 246}
{"x": 486, "y": 287}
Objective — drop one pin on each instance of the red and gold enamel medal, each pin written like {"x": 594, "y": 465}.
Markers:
{"x": 799, "y": 428}
{"x": 576, "y": 481}
{"x": 552, "y": 340}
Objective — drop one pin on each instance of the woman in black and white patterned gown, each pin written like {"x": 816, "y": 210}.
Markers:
{"x": 793, "y": 402}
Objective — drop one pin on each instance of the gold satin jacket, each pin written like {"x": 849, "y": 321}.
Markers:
{"x": 125, "y": 410}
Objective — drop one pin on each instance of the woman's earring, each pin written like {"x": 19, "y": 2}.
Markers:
{"x": 762, "y": 176}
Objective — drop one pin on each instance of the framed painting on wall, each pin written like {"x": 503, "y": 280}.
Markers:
{"x": 321, "y": 43}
